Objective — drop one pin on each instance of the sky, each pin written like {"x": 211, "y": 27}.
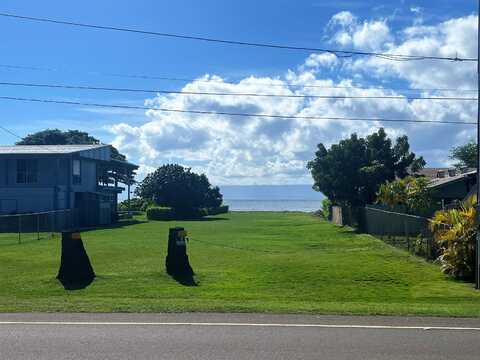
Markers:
{"x": 237, "y": 150}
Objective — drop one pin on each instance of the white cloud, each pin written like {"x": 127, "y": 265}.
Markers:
{"x": 371, "y": 35}
{"x": 255, "y": 150}
{"x": 343, "y": 18}
{"x": 321, "y": 60}
{"x": 448, "y": 39}
{"x": 349, "y": 31}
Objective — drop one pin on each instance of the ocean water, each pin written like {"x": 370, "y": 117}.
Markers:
{"x": 271, "y": 198}
{"x": 273, "y": 205}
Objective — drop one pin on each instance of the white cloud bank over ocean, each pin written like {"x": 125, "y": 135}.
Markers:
{"x": 255, "y": 150}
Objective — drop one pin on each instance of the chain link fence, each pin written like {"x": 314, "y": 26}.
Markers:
{"x": 20, "y": 228}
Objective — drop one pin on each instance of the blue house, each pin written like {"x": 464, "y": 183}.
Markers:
{"x": 83, "y": 178}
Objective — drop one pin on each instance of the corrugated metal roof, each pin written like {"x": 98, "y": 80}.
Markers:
{"x": 47, "y": 149}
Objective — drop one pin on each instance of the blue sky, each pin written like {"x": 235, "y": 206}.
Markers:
{"x": 235, "y": 151}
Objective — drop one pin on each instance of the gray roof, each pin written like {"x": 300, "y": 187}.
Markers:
{"x": 433, "y": 172}
{"x": 438, "y": 182}
{"x": 47, "y": 149}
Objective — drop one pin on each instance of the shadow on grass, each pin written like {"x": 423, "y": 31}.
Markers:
{"x": 78, "y": 285}
{"x": 185, "y": 280}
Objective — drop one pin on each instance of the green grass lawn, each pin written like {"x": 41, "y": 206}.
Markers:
{"x": 255, "y": 262}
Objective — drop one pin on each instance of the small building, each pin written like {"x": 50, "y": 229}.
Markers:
{"x": 83, "y": 178}
{"x": 450, "y": 185}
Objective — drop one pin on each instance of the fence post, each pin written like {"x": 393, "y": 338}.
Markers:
{"x": 19, "y": 229}
{"x": 405, "y": 225}
{"x": 383, "y": 229}
{"x": 429, "y": 248}
{"x": 38, "y": 226}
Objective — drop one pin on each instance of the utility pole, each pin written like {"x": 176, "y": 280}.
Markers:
{"x": 477, "y": 247}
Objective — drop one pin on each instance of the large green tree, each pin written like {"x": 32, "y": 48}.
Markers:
{"x": 178, "y": 187}
{"x": 352, "y": 171}
{"x": 466, "y": 155}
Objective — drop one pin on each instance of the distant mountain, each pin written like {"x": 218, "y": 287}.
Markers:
{"x": 270, "y": 192}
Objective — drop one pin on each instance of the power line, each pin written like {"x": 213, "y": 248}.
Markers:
{"x": 206, "y": 112}
{"x": 158, "y": 91}
{"x": 340, "y": 53}
{"x": 10, "y": 132}
{"x": 210, "y": 81}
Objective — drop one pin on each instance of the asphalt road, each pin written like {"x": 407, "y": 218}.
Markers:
{"x": 235, "y": 336}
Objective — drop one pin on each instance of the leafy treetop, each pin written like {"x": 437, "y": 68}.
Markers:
{"x": 466, "y": 155}
{"x": 178, "y": 187}
{"x": 352, "y": 171}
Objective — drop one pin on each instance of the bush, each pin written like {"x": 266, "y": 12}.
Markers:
{"x": 135, "y": 204}
{"x": 160, "y": 213}
{"x": 455, "y": 233}
{"x": 166, "y": 213}
{"x": 326, "y": 208}
{"x": 147, "y": 204}
{"x": 411, "y": 192}
{"x": 217, "y": 210}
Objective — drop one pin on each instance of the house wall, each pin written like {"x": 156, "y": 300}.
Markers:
{"x": 25, "y": 199}
{"x": 37, "y": 197}
{"x": 3, "y": 172}
{"x": 455, "y": 190}
{"x": 48, "y": 173}
{"x": 54, "y": 188}
{"x": 88, "y": 175}
{"x": 52, "y": 191}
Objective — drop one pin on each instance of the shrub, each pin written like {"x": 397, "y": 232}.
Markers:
{"x": 326, "y": 207}
{"x": 166, "y": 213}
{"x": 159, "y": 213}
{"x": 455, "y": 232}
{"x": 135, "y": 204}
{"x": 147, "y": 204}
{"x": 217, "y": 210}
{"x": 411, "y": 192}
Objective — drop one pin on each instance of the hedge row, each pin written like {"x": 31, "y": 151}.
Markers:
{"x": 217, "y": 210}
{"x": 166, "y": 213}
{"x": 159, "y": 213}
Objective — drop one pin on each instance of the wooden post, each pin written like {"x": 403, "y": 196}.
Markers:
{"x": 128, "y": 194}
{"x": 38, "y": 226}
{"x": 407, "y": 235}
{"x": 19, "y": 229}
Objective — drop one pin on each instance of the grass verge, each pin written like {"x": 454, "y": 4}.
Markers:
{"x": 245, "y": 262}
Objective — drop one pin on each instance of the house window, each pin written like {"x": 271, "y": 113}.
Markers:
{"x": 77, "y": 171}
{"x": 27, "y": 171}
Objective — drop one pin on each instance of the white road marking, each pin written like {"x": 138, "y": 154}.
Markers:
{"x": 333, "y": 326}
